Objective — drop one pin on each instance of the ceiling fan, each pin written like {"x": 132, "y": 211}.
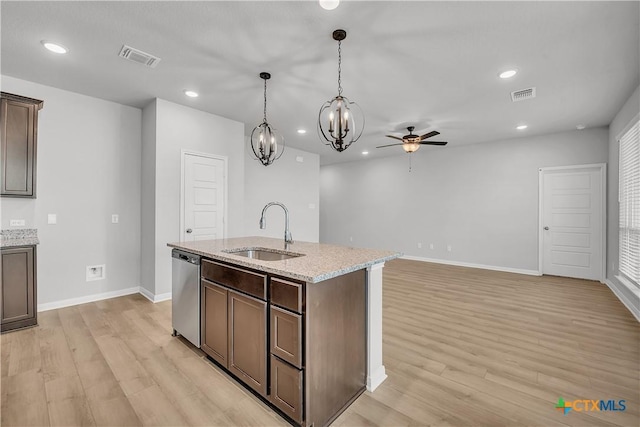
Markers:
{"x": 411, "y": 142}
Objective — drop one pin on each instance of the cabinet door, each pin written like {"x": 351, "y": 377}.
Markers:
{"x": 213, "y": 328}
{"x": 18, "y": 134}
{"x": 18, "y": 288}
{"x": 247, "y": 340}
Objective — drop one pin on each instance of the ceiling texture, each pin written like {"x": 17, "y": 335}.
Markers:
{"x": 430, "y": 64}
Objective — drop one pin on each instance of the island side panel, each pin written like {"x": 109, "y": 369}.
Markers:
{"x": 375, "y": 369}
{"x": 336, "y": 345}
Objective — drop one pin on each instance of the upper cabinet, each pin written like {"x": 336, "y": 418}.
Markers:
{"x": 18, "y": 134}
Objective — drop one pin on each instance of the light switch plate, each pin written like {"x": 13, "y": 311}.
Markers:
{"x": 115, "y": 218}
{"x": 52, "y": 219}
{"x": 312, "y": 205}
{"x": 299, "y": 159}
{"x": 16, "y": 223}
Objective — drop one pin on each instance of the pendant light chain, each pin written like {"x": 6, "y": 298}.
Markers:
{"x": 339, "y": 67}
{"x": 265, "y": 102}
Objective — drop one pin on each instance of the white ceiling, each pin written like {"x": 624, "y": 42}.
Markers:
{"x": 430, "y": 64}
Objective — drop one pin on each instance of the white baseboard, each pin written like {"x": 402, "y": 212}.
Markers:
{"x": 105, "y": 295}
{"x": 89, "y": 298}
{"x": 374, "y": 379}
{"x": 153, "y": 297}
{"x": 145, "y": 293}
{"x": 635, "y": 310}
{"x": 468, "y": 264}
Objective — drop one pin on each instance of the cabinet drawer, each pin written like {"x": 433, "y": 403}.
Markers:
{"x": 254, "y": 284}
{"x": 286, "y": 336}
{"x": 286, "y": 389}
{"x": 286, "y": 294}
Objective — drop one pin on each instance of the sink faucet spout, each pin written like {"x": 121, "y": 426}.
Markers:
{"x": 263, "y": 221}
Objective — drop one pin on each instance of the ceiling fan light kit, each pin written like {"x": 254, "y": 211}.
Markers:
{"x": 340, "y": 121}
{"x": 411, "y": 143}
{"x": 411, "y": 147}
{"x": 267, "y": 144}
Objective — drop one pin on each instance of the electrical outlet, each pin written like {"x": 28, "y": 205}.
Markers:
{"x": 115, "y": 218}
{"x": 312, "y": 205}
{"x": 52, "y": 219}
{"x": 351, "y": 239}
{"x": 299, "y": 159}
{"x": 16, "y": 223}
{"x": 431, "y": 246}
{"x": 419, "y": 245}
{"x": 448, "y": 248}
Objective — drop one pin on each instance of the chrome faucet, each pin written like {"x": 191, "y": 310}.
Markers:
{"x": 263, "y": 221}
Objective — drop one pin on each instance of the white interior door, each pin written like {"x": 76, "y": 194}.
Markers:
{"x": 572, "y": 221}
{"x": 204, "y": 195}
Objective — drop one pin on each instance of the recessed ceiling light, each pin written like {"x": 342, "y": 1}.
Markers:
{"x": 508, "y": 74}
{"x": 329, "y": 4}
{"x": 521, "y": 127}
{"x": 301, "y": 131}
{"x": 580, "y": 127}
{"x": 365, "y": 153}
{"x": 54, "y": 47}
{"x": 191, "y": 94}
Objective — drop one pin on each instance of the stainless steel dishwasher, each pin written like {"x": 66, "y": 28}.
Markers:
{"x": 185, "y": 295}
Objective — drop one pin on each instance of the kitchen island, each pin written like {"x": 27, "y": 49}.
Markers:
{"x": 299, "y": 323}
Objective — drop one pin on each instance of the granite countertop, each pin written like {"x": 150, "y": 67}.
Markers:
{"x": 319, "y": 261}
{"x": 18, "y": 237}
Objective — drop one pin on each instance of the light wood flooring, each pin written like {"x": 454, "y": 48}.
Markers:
{"x": 462, "y": 347}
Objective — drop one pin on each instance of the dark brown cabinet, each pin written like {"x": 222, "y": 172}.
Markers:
{"x": 214, "y": 321}
{"x": 247, "y": 340}
{"x": 18, "y": 288}
{"x": 234, "y": 321}
{"x": 302, "y": 346}
{"x": 286, "y": 336}
{"x": 286, "y": 389}
{"x": 18, "y": 140}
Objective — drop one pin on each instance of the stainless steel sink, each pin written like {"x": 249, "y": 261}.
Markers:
{"x": 263, "y": 254}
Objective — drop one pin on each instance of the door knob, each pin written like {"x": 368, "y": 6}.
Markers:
{"x": 189, "y": 230}
{"x": 546, "y": 228}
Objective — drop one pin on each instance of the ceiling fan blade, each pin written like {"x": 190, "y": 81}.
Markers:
{"x": 434, "y": 143}
{"x": 390, "y": 145}
{"x": 394, "y": 137}
{"x": 430, "y": 134}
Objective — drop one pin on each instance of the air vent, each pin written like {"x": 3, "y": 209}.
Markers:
{"x": 521, "y": 95}
{"x": 135, "y": 55}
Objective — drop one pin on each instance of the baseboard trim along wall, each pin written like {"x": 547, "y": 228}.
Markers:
{"x": 88, "y": 298}
{"x": 102, "y": 296}
{"x": 471, "y": 265}
{"x": 153, "y": 297}
{"x": 635, "y": 310}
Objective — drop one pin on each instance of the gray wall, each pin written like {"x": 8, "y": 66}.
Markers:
{"x": 148, "y": 199}
{"x": 481, "y": 199}
{"x": 294, "y": 183}
{"x": 627, "y": 113}
{"x": 178, "y": 127}
{"x": 88, "y": 169}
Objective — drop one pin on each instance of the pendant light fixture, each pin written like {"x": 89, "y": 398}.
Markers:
{"x": 266, "y": 143}
{"x": 340, "y": 121}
